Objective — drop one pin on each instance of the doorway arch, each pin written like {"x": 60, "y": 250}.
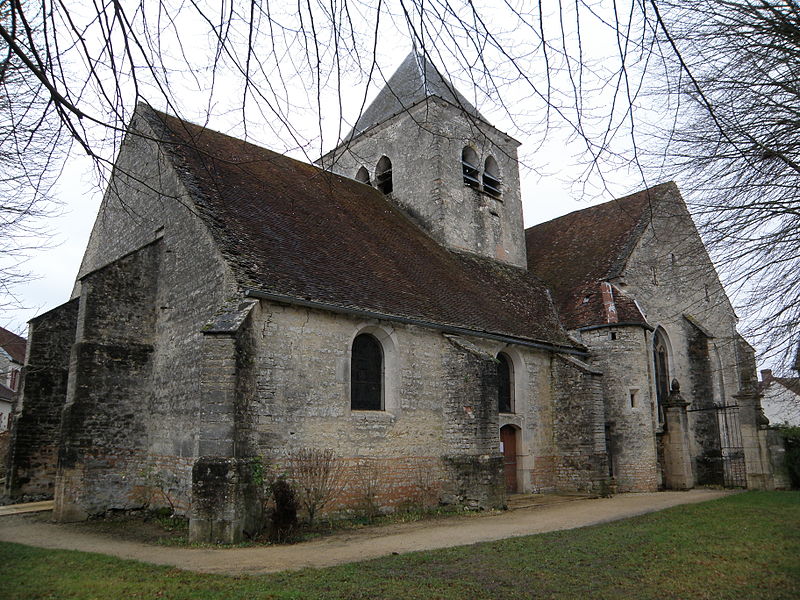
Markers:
{"x": 509, "y": 436}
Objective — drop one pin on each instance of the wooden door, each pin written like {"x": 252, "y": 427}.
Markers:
{"x": 508, "y": 444}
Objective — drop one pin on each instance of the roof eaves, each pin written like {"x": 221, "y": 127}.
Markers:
{"x": 443, "y": 327}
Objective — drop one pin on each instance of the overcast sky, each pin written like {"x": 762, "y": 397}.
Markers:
{"x": 548, "y": 191}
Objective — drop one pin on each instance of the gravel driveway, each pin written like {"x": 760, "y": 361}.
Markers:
{"x": 351, "y": 546}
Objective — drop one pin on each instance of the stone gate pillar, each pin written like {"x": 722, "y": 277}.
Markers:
{"x": 677, "y": 460}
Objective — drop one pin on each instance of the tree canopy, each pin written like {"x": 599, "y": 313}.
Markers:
{"x": 647, "y": 90}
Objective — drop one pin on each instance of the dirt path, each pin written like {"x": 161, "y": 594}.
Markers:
{"x": 359, "y": 545}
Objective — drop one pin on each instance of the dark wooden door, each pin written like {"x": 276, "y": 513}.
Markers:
{"x": 508, "y": 441}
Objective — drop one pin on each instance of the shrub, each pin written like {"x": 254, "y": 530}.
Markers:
{"x": 317, "y": 476}
{"x": 791, "y": 437}
{"x": 284, "y": 513}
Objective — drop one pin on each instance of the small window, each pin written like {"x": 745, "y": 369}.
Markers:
{"x": 366, "y": 374}
{"x": 363, "y": 176}
{"x": 634, "y": 397}
{"x": 505, "y": 380}
{"x": 491, "y": 177}
{"x": 469, "y": 167}
{"x": 613, "y": 335}
{"x": 14, "y": 379}
{"x": 383, "y": 175}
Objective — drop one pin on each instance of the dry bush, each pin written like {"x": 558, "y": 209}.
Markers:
{"x": 317, "y": 476}
{"x": 368, "y": 480}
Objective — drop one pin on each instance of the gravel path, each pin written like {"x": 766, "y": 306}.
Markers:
{"x": 357, "y": 545}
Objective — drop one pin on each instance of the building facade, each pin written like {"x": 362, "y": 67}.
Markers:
{"x": 235, "y": 306}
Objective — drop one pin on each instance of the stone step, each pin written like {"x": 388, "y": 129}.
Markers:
{"x": 27, "y": 507}
{"x": 515, "y": 501}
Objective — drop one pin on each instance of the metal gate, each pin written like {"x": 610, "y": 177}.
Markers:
{"x": 734, "y": 473}
{"x": 730, "y": 438}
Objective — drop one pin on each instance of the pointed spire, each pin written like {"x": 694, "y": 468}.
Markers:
{"x": 415, "y": 79}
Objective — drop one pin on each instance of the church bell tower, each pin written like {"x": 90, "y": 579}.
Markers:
{"x": 431, "y": 152}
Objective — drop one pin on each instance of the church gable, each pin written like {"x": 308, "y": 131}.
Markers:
{"x": 669, "y": 271}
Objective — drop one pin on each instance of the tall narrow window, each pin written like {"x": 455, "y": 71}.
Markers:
{"x": 383, "y": 175}
{"x": 469, "y": 167}
{"x": 661, "y": 360}
{"x": 366, "y": 374}
{"x": 491, "y": 177}
{"x": 363, "y": 175}
{"x": 505, "y": 379}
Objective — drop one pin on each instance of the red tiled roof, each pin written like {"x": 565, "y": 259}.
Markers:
{"x": 289, "y": 228}
{"x": 13, "y": 344}
{"x": 574, "y": 253}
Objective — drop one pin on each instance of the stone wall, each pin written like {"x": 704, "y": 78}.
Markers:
{"x": 42, "y": 395}
{"x": 104, "y": 429}
{"x": 676, "y": 286}
{"x": 146, "y": 201}
{"x": 777, "y": 453}
{"x": 440, "y": 404}
{"x": 624, "y": 355}
{"x": 581, "y": 461}
{"x": 431, "y": 413}
{"x": 708, "y": 461}
{"x": 428, "y": 182}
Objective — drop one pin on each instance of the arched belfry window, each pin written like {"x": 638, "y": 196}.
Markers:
{"x": 491, "y": 177}
{"x": 363, "y": 175}
{"x": 505, "y": 384}
{"x": 366, "y": 374}
{"x": 661, "y": 363}
{"x": 383, "y": 175}
{"x": 469, "y": 167}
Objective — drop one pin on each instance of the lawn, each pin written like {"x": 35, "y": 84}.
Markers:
{"x": 742, "y": 546}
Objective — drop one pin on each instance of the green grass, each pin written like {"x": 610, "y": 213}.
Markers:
{"x": 742, "y": 546}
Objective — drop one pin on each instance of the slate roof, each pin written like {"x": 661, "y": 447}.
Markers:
{"x": 6, "y": 393}
{"x": 415, "y": 80}
{"x": 290, "y": 228}
{"x": 575, "y": 253}
{"x": 13, "y": 344}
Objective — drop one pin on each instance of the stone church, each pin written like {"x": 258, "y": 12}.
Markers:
{"x": 235, "y": 305}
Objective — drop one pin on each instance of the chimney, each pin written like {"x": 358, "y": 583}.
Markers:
{"x": 766, "y": 375}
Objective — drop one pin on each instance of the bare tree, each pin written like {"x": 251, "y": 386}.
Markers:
{"x": 708, "y": 88}
{"x": 31, "y": 154}
{"x": 733, "y": 75}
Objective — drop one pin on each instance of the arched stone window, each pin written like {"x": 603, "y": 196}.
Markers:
{"x": 469, "y": 167}
{"x": 491, "y": 177}
{"x": 366, "y": 373}
{"x": 383, "y": 175}
{"x": 363, "y": 176}
{"x": 661, "y": 363}
{"x": 505, "y": 384}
